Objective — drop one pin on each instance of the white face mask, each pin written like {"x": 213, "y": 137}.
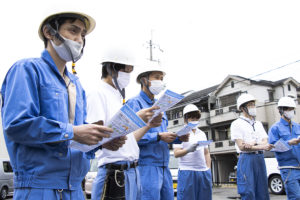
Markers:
{"x": 157, "y": 86}
{"x": 252, "y": 112}
{"x": 194, "y": 122}
{"x": 63, "y": 51}
{"x": 289, "y": 114}
{"x": 123, "y": 79}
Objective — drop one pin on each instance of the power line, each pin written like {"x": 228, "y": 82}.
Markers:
{"x": 251, "y": 78}
{"x": 291, "y": 63}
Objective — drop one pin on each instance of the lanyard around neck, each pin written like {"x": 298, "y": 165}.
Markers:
{"x": 249, "y": 123}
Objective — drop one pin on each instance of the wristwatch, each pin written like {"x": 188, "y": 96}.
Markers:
{"x": 158, "y": 137}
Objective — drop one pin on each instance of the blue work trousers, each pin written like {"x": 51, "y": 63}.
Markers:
{"x": 132, "y": 183}
{"x": 47, "y": 194}
{"x": 194, "y": 185}
{"x": 291, "y": 179}
{"x": 252, "y": 181}
{"x": 156, "y": 183}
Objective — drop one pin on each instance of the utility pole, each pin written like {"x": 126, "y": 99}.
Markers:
{"x": 153, "y": 46}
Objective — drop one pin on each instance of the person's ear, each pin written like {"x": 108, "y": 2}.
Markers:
{"x": 144, "y": 81}
{"x": 114, "y": 73}
{"x": 47, "y": 33}
{"x": 242, "y": 109}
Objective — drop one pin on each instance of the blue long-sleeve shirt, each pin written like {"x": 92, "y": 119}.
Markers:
{"x": 152, "y": 152}
{"x": 283, "y": 130}
{"x": 36, "y": 125}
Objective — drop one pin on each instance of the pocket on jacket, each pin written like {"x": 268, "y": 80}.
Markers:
{"x": 51, "y": 104}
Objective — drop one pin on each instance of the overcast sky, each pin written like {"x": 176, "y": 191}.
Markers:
{"x": 202, "y": 41}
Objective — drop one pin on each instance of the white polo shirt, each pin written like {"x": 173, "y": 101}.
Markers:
{"x": 102, "y": 103}
{"x": 247, "y": 130}
{"x": 194, "y": 160}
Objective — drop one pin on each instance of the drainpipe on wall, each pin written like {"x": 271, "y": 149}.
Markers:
{"x": 283, "y": 91}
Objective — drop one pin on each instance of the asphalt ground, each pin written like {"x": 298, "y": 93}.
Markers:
{"x": 228, "y": 192}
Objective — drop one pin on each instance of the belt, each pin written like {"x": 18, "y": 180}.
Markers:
{"x": 121, "y": 166}
{"x": 253, "y": 152}
{"x": 288, "y": 167}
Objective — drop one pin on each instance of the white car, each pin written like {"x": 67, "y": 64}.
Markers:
{"x": 6, "y": 179}
{"x": 274, "y": 179}
{"x": 275, "y": 182}
{"x": 89, "y": 178}
{"x": 173, "y": 166}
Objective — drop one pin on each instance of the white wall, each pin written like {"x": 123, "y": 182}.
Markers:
{"x": 281, "y": 91}
{"x": 228, "y": 90}
{"x": 258, "y": 91}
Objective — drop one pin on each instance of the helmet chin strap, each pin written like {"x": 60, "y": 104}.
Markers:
{"x": 281, "y": 112}
{"x": 115, "y": 81}
{"x": 144, "y": 83}
{"x": 60, "y": 38}
{"x": 247, "y": 112}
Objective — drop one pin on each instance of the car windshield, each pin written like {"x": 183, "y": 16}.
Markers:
{"x": 94, "y": 167}
{"x": 173, "y": 163}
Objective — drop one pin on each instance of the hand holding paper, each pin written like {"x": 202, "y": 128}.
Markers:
{"x": 147, "y": 113}
{"x": 166, "y": 101}
{"x": 167, "y": 136}
{"x": 192, "y": 148}
{"x": 184, "y": 138}
{"x": 294, "y": 141}
{"x": 122, "y": 123}
{"x": 156, "y": 121}
{"x": 187, "y": 128}
{"x": 115, "y": 144}
{"x": 90, "y": 134}
{"x": 281, "y": 146}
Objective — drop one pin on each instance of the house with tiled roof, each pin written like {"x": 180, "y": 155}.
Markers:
{"x": 218, "y": 110}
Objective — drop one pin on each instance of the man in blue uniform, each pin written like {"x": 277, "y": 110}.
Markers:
{"x": 251, "y": 140}
{"x": 288, "y": 132}
{"x": 156, "y": 179}
{"x": 44, "y": 109}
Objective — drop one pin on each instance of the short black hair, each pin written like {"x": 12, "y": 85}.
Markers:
{"x": 281, "y": 109}
{"x": 116, "y": 66}
{"x": 56, "y": 23}
{"x": 244, "y": 105}
{"x": 143, "y": 75}
{"x": 194, "y": 114}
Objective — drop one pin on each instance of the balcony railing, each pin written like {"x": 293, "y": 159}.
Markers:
{"x": 222, "y": 147}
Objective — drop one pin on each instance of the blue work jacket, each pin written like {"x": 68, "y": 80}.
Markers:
{"x": 36, "y": 125}
{"x": 152, "y": 152}
{"x": 282, "y": 129}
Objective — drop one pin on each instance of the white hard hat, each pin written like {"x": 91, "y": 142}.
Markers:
{"x": 120, "y": 55}
{"x": 89, "y": 22}
{"x": 147, "y": 67}
{"x": 189, "y": 108}
{"x": 244, "y": 98}
{"x": 286, "y": 102}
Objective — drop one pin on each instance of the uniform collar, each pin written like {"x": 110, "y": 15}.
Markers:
{"x": 48, "y": 59}
{"x": 197, "y": 130}
{"x": 251, "y": 121}
{"x": 110, "y": 88}
{"x": 146, "y": 98}
{"x": 284, "y": 122}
